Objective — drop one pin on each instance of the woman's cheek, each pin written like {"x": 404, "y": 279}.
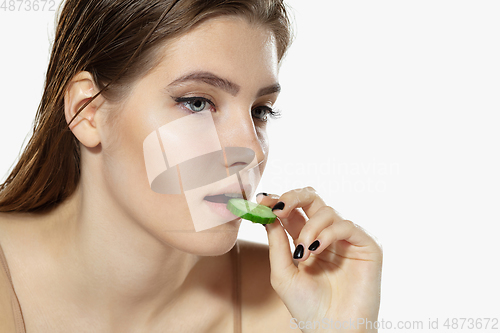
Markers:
{"x": 263, "y": 139}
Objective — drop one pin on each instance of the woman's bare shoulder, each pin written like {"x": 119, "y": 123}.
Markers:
{"x": 263, "y": 310}
{"x": 11, "y": 221}
{"x": 6, "y": 225}
{"x": 20, "y": 236}
{"x": 14, "y": 225}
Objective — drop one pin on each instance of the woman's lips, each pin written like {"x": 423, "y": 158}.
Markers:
{"x": 234, "y": 188}
{"x": 221, "y": 210}
{"x": 222, "y": 198}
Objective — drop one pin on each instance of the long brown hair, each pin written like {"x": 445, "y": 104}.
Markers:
{"x": 117, "y": 42}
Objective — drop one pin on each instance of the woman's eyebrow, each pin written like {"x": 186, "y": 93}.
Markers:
{"x": 274, "y": 88}
{"x": 210, "y": 79}
{"x": 224, "y": 84}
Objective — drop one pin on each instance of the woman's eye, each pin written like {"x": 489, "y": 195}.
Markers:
{"x": 261, "y": 113}
{"x": 195, "y": 104}
{"x": 198, "y": 104}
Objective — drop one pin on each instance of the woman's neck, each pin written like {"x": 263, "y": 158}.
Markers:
{"x": 103, "y": 262}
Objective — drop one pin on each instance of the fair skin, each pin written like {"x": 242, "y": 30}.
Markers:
{"x": 117, "y": 257}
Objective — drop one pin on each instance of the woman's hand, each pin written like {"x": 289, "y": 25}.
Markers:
{"x": 336, "y": 282}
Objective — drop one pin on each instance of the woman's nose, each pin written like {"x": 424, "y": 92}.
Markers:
{"x": 238, "y": 129}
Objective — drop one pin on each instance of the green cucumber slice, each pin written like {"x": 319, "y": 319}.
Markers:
{"x": 251, "y": 211}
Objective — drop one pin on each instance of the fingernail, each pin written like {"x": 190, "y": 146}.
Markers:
{"x": 263, "y": 193}
{"x": 280, "y": 205}
{"x": 314, "y": 246}
{"x": 299, "y": 252}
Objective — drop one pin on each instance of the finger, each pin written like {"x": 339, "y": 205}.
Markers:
{"x": 282, "y": 266}
{"x": 323, "y": 218}
{"x": 352, "y": 235}
{"x": 294, "y": 207}
{"x": 267, "y": 199}
{"x": 306, "y": 198}
{"x": 293, "y": 223}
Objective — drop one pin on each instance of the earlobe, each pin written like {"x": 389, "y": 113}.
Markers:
{"x": 84, "y": 126}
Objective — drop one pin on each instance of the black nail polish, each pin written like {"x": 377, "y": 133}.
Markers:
{"x": 299, "y": 252}
{"x": 314, "y": 246}
{"x": 280, "y": 205}
{"x": 263, "y": 193}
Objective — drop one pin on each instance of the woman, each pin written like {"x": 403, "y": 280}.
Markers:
{"x": 90, "y": 246}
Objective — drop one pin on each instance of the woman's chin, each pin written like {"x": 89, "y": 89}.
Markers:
{"x": 210, "y": 242}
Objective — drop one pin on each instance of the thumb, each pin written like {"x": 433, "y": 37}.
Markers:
{"x": 280, "y": 257}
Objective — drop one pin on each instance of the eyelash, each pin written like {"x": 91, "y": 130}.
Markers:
{"x": 273, "y": 114}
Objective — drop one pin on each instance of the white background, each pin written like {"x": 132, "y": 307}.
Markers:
{"x": 390, "y": 112}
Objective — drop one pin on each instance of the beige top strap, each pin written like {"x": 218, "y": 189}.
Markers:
{"x": 236, "y": 287}
{"x": 11, "y": 316}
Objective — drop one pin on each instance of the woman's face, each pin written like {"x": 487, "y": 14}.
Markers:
{"x": 224, "y": 69}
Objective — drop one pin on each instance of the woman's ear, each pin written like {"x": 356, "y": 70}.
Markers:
{"x": 84, "y": 126}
